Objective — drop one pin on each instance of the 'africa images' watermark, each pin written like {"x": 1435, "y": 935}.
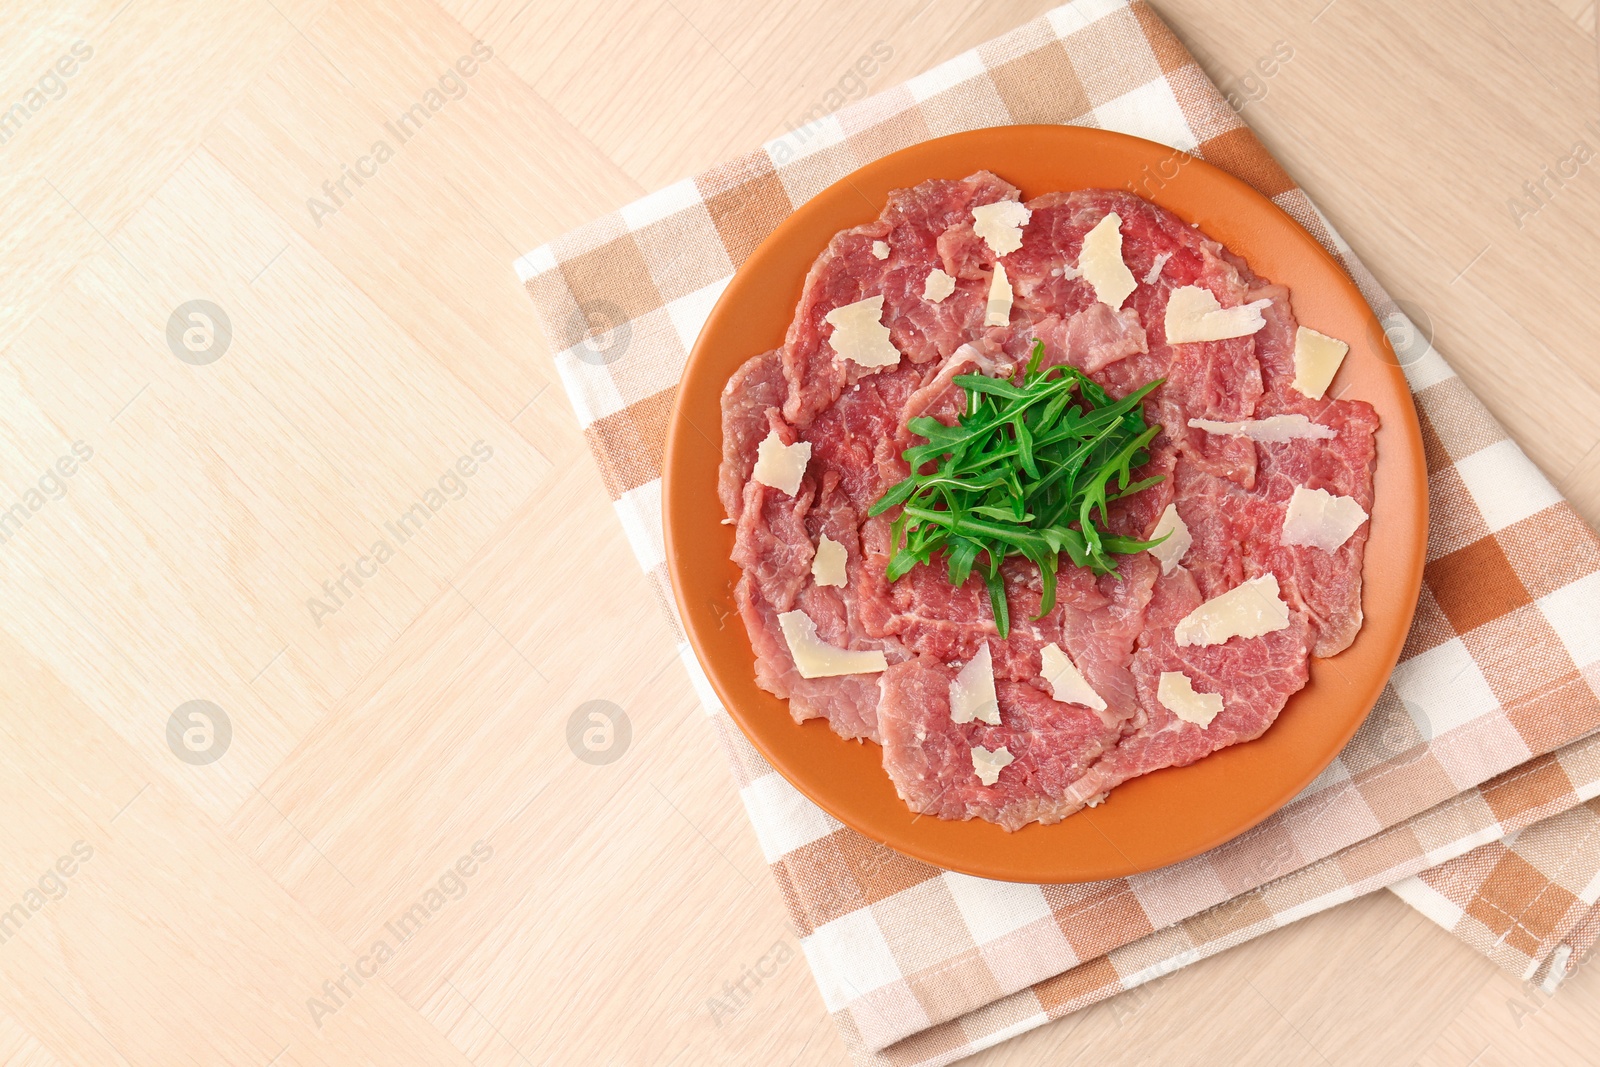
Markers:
{"x": 850, "y": 86}
{"x": 1251, "y": 86}
{"x": 199, "y": 332}
{"x": 199, "y": 732}
{"x": 450, "y": 485}
{"x": 603, "y": 332}
{"x": 433, "y": 100}
{"x": 51, "y": 485}
{"x": 52, "y": 85}
{"x": 451, "y": 885}
{"x": 598, "y": 732}
{"x": 51, "y": 886}
{"x": 738, "y": 993}
{"x": 1539, "y": 193}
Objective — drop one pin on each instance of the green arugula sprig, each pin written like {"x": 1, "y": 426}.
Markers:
{"x": 1024, "y": 473}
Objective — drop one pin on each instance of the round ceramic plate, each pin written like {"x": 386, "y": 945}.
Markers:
{"x": 1153, "y": 820}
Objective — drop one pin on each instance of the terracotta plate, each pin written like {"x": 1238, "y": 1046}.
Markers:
{"x": 1154, "y": 820}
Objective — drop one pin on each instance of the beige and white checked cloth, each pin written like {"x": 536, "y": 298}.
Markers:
{"x": 1470, "y": 789}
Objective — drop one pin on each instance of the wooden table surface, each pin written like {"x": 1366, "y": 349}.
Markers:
{"x": 193, "y": 496}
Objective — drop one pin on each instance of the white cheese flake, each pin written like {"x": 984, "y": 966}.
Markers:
{"x": 779, "y": 465}
{"x": 999, "y": 309}
{"x": 1067, "y": 683}
{"x": 1316, "y": 360}
{"x": 998, "y": 312}
{"x": 1193, "y": 314}
{"x": 859, "y": 334}
{"x": 1000, "y": 224}
{"x": 1249, "y": 609}
{"x": 1155, "y": 267}
{"x": 1318, "y": 519}
{"x": 1273, "y": 430}
{"x": 1170, "y": 553}
{"x": 827, "y": 566}
{"x": 938, "y": 286}
{"x": 816, "y": 659}
{"x": 1100, "y": 262}
{"x": 1177, "y": 695}
{"x": 880, "y": 250}
{"x": 972, "y": 691}
{"x": 988, "y": 765}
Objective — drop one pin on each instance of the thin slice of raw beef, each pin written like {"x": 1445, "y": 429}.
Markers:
{"x": 930, "y": 758}
{"x": 774, "y": 547}
{"x": 1255, "y": 677}
{"x": 1327, "y": 585}
{"x": 849, "y": 271}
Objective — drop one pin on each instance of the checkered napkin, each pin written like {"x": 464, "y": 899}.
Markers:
{"x": 1470, "y": 789}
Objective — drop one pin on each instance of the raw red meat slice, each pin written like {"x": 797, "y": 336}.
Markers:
{"x": 756, "y": 388}
{"x": 912, "y": 225}
{"x": 774, "y": 549}
{"x": 1255, "y": 678}
{"x": 1223, "y": 517}
{"x": 929, "y": 757}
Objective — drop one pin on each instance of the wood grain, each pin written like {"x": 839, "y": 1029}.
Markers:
{"x": 421, "y": 712}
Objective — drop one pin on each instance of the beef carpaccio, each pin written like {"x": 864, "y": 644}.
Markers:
{"x": 1230, "y": 484}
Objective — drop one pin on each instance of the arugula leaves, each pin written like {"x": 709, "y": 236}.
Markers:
{"x": 1023, "y": 473}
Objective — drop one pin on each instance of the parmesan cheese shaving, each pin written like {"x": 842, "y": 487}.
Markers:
{"x": 972, "y": 691}
{"x": 880, "y": 250}
{"x": 1170, "y": 552}
{"x": 859, "y": 334}
{"x": 779, "y": 465}
{"x": 938, "y": 286}
{"x": 1000, "y": 224}
{"x": 1318, "y": 519}
{"x": 1067, "y": 683}
{"x": 1177, "y": 695}
{"x": 998, "y": 312}
{"x": 988, "y": 765}
{"x": 1193, "y": 314}
{"x": 827, "y": 566}
{"x": 1249, "y": 609}
{"x": 1100, "y": 262}
{"x": 1155, "y": 267}
{"x": 815, "y": 659}
{"x": 1316, "y": 360}
{"x": 1273, "y": 430}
